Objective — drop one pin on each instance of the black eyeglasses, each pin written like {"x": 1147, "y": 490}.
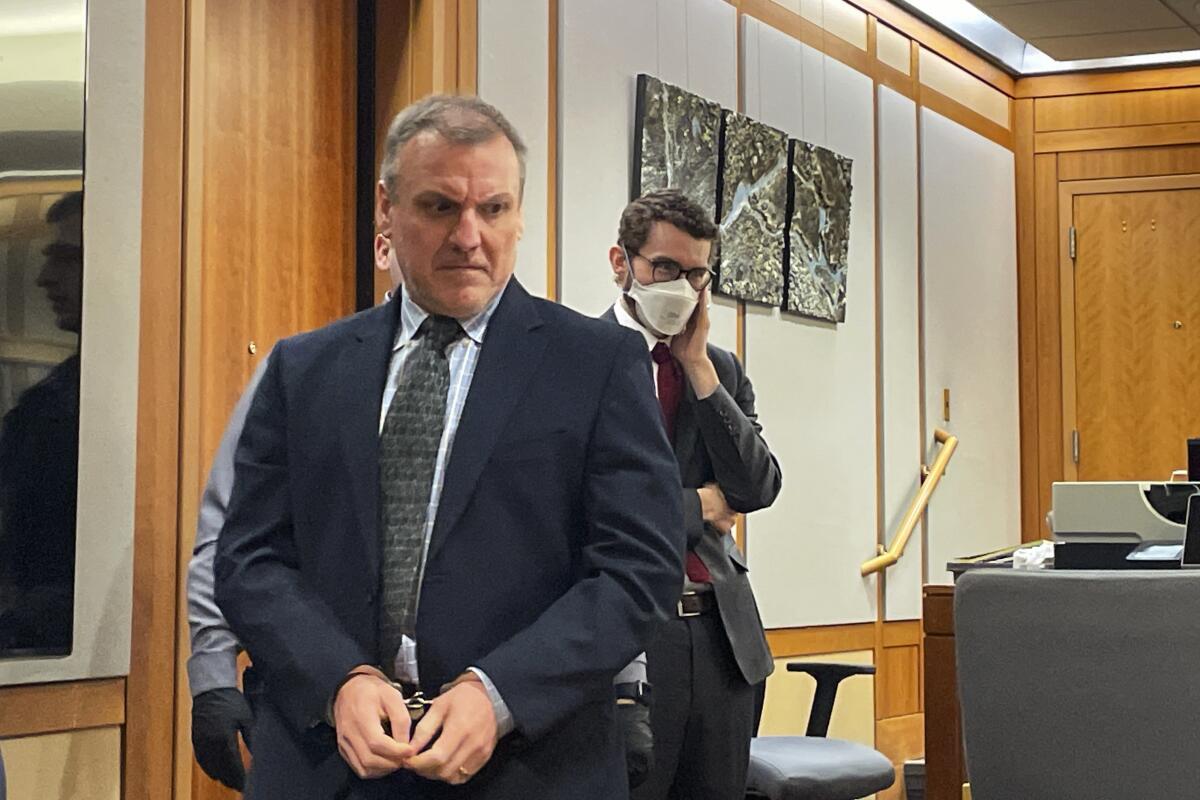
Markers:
{"x": 666, "y": 270}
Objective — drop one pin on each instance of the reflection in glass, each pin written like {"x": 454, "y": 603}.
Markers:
{"x": 41, "y": 286}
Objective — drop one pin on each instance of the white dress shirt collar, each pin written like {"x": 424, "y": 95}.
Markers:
{"x": 412, "y": 315}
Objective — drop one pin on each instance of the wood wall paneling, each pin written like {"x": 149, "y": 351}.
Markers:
{"x": 898, "y": 682}
{"x": 271, "y": 222}
{"x": 901, "y": 634}
{"x": 434, "y": 43}
{"x": 788, "y": 642}
{"x": 1081, "y": 83}
{"x": 147, "y": 749}
{"x": 1132, "y": 124}
{"x": 1049, "y": 361}
{"x": 956, "y": 83}
{"x": 393, "y": 82}
{"x": 1027, "y": 303}
{"x": 967, "y": 117}
{"x": 892, "y": 48}
{"x": 468, "y": 50}
{"x": 55, "y": 707}
{"x": 789, "y": 700}
{"x": 1117, "y": 109}
{"x": 1138, "y": 162}
{"x": 65, "y": 766}
{"x": 1112, "y": 138}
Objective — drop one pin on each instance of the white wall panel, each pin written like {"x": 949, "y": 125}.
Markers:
{"x": 602, "y": 48}
{"x": 514, "y": 67}
{"x": 815, "y": 382}
{"x": 899, "y": 301}
{"x": 969, "y": 231}
{"x": 774, "y": 66}
{"x": 813, "y": 95}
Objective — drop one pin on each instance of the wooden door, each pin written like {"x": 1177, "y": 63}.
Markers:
{"x": 1137, "y": 332}
{"x": 271, "y": 202}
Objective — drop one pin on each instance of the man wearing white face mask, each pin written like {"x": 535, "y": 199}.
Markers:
{"x": 706, "y": 663}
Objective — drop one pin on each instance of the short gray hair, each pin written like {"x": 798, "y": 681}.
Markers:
{"x": 459, "y": 119}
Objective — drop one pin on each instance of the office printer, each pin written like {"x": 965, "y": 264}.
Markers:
{"x": 1118, "y": 524}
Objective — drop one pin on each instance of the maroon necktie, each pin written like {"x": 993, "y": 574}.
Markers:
{"x": 670, "y": 390}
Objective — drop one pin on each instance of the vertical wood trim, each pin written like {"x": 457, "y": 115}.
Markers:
{"x": 393, "y": 83}
{"x": 1027, "y": 317}
{"x": 468, "y": 46}
{"x": 1049, "y": 366}
{"x": 881, "y": 686}
{"x": 740, "y": 532}
{"x": 740, "y": 333}
{"x": 1066, "y": 311}
{"x": 915, "y": 62}
{"x": 434, "y": 47}
{"x": 190, "y": 358}
{"x": 150, "y": 689}
{"x": 554, "y": 217}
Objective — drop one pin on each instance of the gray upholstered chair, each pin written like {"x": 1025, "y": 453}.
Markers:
{"x": 814, "y": 767}
{"x": 1079, "y": 685}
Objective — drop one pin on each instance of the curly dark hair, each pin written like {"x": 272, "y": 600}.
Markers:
{"x": 665, "y": 205}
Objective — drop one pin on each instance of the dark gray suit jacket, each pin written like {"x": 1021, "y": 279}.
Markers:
{"x": 718, "y": 439}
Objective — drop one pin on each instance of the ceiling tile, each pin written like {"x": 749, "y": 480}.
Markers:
{"x": 1112, "y": 45}
{"x": 1082, "y": 17}
{"x": 1188, "y": 9}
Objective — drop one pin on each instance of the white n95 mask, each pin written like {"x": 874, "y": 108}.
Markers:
{"x": 665, "y": 307}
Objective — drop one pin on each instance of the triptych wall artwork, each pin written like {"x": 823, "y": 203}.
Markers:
{"x": 783, "y": 205}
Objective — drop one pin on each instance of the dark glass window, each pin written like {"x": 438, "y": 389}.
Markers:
{"x": 41, "y": 289}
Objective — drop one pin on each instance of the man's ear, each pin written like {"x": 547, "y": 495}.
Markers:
{"x": 383, "y": 206}
{"x": 620, "y": 266}
{"x": 383, "y": 248}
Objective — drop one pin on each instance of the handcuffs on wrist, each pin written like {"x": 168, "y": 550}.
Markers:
{"x": 416, "y": 704}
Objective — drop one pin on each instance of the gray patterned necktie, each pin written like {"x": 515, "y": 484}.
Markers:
{"x": 408, "y": 448}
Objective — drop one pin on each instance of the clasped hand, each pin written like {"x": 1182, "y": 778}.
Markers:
{"x": 714, "y": 508}
{"x": 461, "y": 720}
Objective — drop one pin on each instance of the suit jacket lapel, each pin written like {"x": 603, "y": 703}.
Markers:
{"x": 512, "y": 351}
{"x": 362, "y": 373}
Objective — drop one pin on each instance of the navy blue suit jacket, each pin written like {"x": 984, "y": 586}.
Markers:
{"x": 558, "y": 541}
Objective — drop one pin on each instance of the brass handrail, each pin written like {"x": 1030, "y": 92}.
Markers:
{"x": 916, "y": 509}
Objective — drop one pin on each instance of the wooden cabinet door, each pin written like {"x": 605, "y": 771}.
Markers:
{"x": 1137, "y": 332}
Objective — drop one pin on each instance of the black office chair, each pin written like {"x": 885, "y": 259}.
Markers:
{"x": 815, "y": 767}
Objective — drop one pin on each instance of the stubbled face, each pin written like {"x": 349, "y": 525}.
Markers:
{"x": 454, "y": 221}
{"x": 665, "y": 242}
{"x": 61, "y": 275}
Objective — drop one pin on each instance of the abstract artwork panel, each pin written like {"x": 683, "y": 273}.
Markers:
{"x": 676, "y": 142}
{"x": 754, "y": 186}
{"x": 818, "y": 233}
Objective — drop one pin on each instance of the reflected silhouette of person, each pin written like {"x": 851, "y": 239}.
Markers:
{"x": 39, "y": 445}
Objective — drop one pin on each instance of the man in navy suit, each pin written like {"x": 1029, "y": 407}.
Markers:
{"x": 549, "y": 537}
